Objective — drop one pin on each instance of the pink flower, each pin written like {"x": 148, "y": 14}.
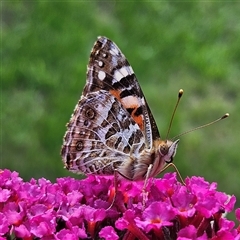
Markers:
{"x": 3, "y": 224}
{"x": 155, "y": 216}
{"x": 108, "y": 233}
{"x": 78, "y": 209}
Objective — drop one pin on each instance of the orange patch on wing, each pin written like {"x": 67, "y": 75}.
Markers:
{"x": 116, "y": 94}
{"x": 138, "y": 120}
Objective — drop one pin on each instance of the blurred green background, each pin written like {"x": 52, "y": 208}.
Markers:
{"x": 170, "y": 45}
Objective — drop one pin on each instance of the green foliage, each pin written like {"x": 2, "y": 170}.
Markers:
{"x": 171, "y": 45}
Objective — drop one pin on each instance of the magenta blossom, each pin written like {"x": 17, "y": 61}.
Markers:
{"x": 92, "y": 209}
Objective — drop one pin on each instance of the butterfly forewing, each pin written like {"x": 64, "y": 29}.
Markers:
{"x": 108, "y": 69}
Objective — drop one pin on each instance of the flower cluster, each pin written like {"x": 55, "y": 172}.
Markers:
{"x": 91, "y": 209}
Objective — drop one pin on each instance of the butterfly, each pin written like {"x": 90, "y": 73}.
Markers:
{"x": 112, "y": 128}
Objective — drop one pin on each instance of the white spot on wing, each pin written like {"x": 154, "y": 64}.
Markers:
{"x": 117, "y": 75}
{"x": 100, "y": 63}
{"x": 122, "y": 72}
{"x": 130, "y": 70}
{"x": 101, "y": 75}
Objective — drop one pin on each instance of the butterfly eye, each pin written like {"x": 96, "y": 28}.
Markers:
{"x": 163, "y": 149}
{"x": 168, "y": 150}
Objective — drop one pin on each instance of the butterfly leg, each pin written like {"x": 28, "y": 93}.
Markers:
{"x": 144, "y": 192}
{"x": 177, "y": 171}
{"x": 115, "y": 182}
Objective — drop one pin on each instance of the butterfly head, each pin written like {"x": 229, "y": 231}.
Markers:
{"x": 167, "y": 149}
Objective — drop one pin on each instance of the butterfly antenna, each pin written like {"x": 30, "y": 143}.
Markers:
{"x": 180, "y": 93}
{"x": 203, "y": 126}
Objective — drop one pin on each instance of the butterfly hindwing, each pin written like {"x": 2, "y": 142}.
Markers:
{"x": 101, "y": 135}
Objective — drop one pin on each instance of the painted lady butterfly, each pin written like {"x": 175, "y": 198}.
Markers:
{"x": 112, "y": 128}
